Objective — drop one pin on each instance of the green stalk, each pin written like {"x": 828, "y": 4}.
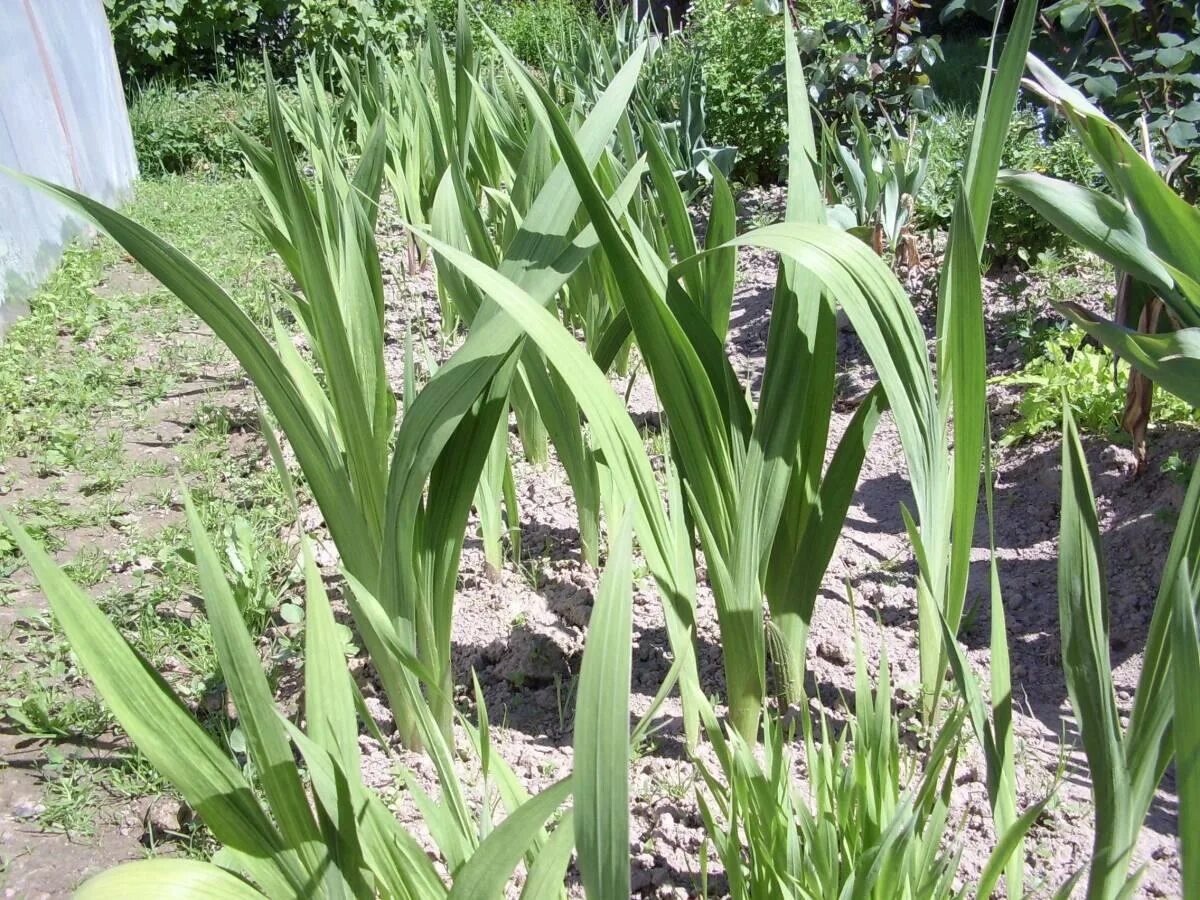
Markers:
{"x": 1126, "y": 765}
{"x": 948, "y": 521}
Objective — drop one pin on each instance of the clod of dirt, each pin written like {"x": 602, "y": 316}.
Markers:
{"x": 1120, "y": 464}
{"x": 833, "y": 652}
{"x": 166, "y": 819}
{"x": 27, "y": 809}
{"x": 537, "y": 652}
{"x": 178, "y": 610}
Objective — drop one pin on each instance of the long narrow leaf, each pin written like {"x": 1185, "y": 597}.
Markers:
{"x": 491, "y": 866}
{"x": 166, "y": 879}
{"x": 601, "y": 775}
{"x": 162, "y": 728}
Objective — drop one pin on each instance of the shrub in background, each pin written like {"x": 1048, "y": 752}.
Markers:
{"x": 859, "y": 57}
{"x": 532, "y": 29}
{"x": 1015, "y": 232}
{"x": 527, "y": 26}
{"x": 172, "y": 35}
{"x": 1139, "y": 61}
{"x": 1133, "y": 59}
{"x": 350, "y": 25}
{"x": 155, "y": 37}
{"x": 185, "y": 127}
{"x": 738, "y": 48}
{"x": 875, "y": 64}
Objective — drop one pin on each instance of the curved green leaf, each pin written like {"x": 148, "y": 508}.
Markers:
{"x": 1094, "y": 220}
{"x": 492, "y": 864}
{"x": 166, "y": 879}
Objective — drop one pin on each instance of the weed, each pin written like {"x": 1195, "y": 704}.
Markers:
{"x": 1178, "y": 469}
{"x": 1093, "y": 385}
{"x": 71, "y": 799}
{"x": 40, "y": 708}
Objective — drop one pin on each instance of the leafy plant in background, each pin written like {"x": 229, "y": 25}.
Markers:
{"x": 189, "y": 125}
{"x": 185, "y": 37}
{"x": 876, "y": 65}
{"x": 1067, "y": 364}
{"x": 864, "y": 58}
{"x": 154, "y": 35}
{"x": 535, "y": 30}
{"x": 737, "y": 48}
{"x": 1140, "y": 60}
{"x": 881, "y": 177}
{"x": 1015, "y": 232}
{"x": 528, "y": 27}
{"x": 353, "y": 26}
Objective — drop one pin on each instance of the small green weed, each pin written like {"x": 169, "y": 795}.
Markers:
{"x": 39, "y": 709}
{"x": 1178, "y": 469}
{"x": 1095, "y": 390}
{"x": 71, "y": 798}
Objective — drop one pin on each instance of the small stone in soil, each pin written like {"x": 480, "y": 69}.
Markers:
{"x": 27, "y": 809}
{"x": 166, "y": 818}
{"x": 832, "y": 652}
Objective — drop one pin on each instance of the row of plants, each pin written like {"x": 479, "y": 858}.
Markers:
{"x": 877, "y": 61}
{"x": 556, "y": 213}
{"x": 741, "y": 118}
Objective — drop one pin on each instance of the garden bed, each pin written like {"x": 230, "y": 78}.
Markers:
{"x": 520, "y": 631}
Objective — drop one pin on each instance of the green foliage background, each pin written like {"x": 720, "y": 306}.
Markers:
{"x": 745, "y": 106}
{"x": 198, "y": 37}
{"x": 1139, "y": 61}
{"x": 1014, "y": 231}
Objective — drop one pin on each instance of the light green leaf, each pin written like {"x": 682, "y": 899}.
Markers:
{"x": 601, "y": 774}
{"x": 492, "y": 864}
{"x": 166, "y": 879}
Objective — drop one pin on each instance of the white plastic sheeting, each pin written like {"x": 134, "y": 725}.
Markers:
{"x": 63, "y": 118}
